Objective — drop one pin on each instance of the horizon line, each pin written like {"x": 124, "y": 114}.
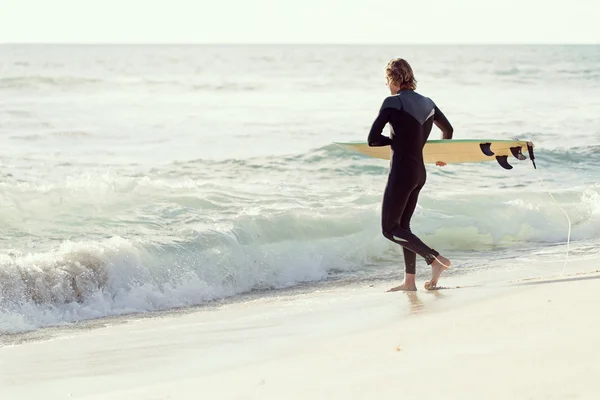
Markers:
{"x": 109, "y": 43}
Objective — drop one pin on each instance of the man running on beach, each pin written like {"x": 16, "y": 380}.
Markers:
{"x": 411, "y": 117}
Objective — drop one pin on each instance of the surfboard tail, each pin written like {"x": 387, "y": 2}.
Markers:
{"x": 530, "y": 151}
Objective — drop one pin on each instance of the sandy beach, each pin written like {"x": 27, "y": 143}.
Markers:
{"x": 527, "y": 339}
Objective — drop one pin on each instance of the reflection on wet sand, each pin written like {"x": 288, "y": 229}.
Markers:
{"x": 415, "y": 304}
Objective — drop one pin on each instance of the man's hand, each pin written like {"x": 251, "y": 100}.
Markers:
{"x": 440, "y": 163}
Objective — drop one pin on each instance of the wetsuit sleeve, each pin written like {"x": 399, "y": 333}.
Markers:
{"x": 375, "y": 138}
{"x": 442, "y": 122}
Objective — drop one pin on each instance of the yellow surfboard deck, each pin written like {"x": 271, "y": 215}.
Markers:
{"x": 454, "y": 151}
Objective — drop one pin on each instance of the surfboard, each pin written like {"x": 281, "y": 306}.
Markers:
{"x": 455, "y": 151}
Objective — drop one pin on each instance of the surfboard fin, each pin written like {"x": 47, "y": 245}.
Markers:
{"x": 486, "y": 149}
{"x": 517, "y": 153}
{"x": 503, "y": 161}
{"x": 530, "y": 151}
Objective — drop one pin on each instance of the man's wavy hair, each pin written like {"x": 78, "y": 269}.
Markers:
{"x": 400, "y": 73}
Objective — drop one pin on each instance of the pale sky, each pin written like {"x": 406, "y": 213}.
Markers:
{"x": 299, "y": 21}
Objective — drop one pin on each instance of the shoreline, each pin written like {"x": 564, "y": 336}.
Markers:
{"x": 267, "y": 344}
{"x": 485, "y": 278}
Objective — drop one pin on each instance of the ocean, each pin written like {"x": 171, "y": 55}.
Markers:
{"x": 144, "y": 178}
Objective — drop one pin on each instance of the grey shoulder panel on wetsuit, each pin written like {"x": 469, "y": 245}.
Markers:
{"x": 419, "y": 107}
{"x": 392, "y": 102}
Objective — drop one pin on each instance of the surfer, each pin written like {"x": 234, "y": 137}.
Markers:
{"x": 411, "y": 117}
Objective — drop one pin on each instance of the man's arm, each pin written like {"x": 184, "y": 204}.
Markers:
{"x": 375, "y": 137}
{"x": 442, "y": 122}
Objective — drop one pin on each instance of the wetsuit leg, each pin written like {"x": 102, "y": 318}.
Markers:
{"x": 410, "y": 261}
{"x": 410, "y": 257}
{"x": 399, "y": 204}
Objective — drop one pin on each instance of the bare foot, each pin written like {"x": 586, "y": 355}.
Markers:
{"x": 437, "y": 267}
{"x": 405, "y": 286}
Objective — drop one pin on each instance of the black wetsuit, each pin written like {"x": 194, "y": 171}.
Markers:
{"x": 411, "y": 117}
